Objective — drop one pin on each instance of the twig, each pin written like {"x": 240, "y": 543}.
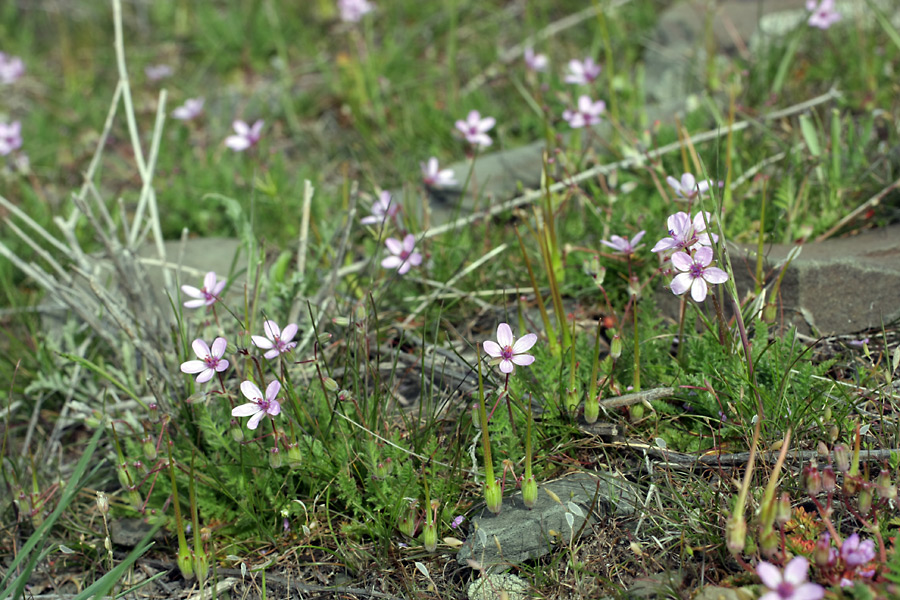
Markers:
{"x": 871, "y": 202}
{"x": 629, "y": 399}
{"x": 304, "y": 228}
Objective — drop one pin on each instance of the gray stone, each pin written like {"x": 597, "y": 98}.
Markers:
{"x": 493, "y": 586}
{"x": 518, "y": 534}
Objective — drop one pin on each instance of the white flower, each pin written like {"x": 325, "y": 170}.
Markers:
{"x": 191, "y": 109}
{"x": 276, "y": 341}
{"x": 434, "y": 176}
{"x": 245, "y": 136}
{"x": 258, "y": 407}
{"x": 475, "y": 129}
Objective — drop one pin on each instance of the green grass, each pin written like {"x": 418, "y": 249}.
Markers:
{"x": 354, "y": 109}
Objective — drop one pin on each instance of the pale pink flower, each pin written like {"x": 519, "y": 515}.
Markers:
{"x": 789, "y": 584}
{"x": 823, "y": 14}
{"x": 475, "y": 129}
{"x": 191, "y": 109}
{"x": 157, "y": 72}
{"x": 11, "y": 68}
{"x": 10, "y": 137}
{"x": 696, "y": 272}
{"x": 434, "y": 176}
{"x": 352, "y": 11}
{"x": 210, "y": 359}
{"x": 258, "y": 407}
{"x": 507, "y": 351}
{"x": 683, "y": 233}
{"x": 688, "y": 188}
{"x": 276, "y": 341}
{"x": 382, "y": 209}
{"x": 624, "y": 246}
{"x": 588, "y": 113}
{"x": 245, "y": 135}
{"x": 402, "y": 256}
{"x": 582, "y": 73}
{"x": 856, "y": 553}
{"x": 535, "y": 62}
{"x": 207, "y": 295}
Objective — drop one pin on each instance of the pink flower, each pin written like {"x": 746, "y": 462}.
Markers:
{"x": 535, "y": 62}
{"x": 10, "y": 137}
{"x": 457, "y": 521}
{"x": 211, "y": 361}
{"x": 475, "y": 129}
{"x": 11, "y": 68}
{"x": 588, "y": 113}
{"x": 622, "y": 245}
{"x": 582, "y": 73}
{"x": 353, "y": 10}
{"x": 823, "y": 13}
{"x": 683, "y": 233}
{"x": 696, "y": 272}
{"x": 855, "y": 552}
{"x": 258, "y": 407}
{"x": 434, "y": 176}
{"x": 688, "y": 188}
{"x": 191, "y": 109}
{"x": 790, "y": 584}
{"x": 157, "y": 72}
{"x": 382, "y": 209}
{"x": 245, "y": 136}
{"x": 506, "y": 352}
{"x": 276, "y": 341}
{"x": 207, "y": 295}
{"x": 402, "y": 256}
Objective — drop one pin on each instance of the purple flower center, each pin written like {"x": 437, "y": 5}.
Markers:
{"x": 696, "y": 270}
{"x": 506, "y": 353}
{"x": 211, "y": 361}
{"x": 785, "y": 589}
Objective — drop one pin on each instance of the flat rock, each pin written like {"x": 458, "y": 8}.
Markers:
{"x": 518, "y": 534}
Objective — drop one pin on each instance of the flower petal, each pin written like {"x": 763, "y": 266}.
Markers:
{"x": 274, "y": 408}
{"x": 523, "y": 360}
{"x": 504, "y": 335}
{"x": 492, "y": 348}
{"x": 795, "y": 571}
{"x": 195, "y": 303}
{"x": 250, "y": 391}
{"x": 681, "y": 283}
{"x": 682, "y": 261}
{"x": 245, "y": 410}
{"x": 237, "y": 143}
{"x": 200, "y": 348}
{"x": 288, "y": 333}
{"x": 272, "y": 389}
{"x": 261, "y": 342}
{"x": 698, "y": 290}
{"x": 209, "y": 280}
{"x": 506, "y": 366}
{"x": 191, "y": 291}
{"x": 253, "y": 423}
{"x": 192, "y": 366}
{"x": 393, "y": 245}
{"x": 524, "y": 343}
{"x": 205, "y": 376}
{"x": 704, "y": 256}
{"x": 218, "y": 347}
{"x": 272, "y": 330}
{"x": 769, "y": 574}
{"x": 715, "y": 275}
{"x": 222, "y": 365}
{"x": 273, "y": 353}
{"x": 391, "y": 262}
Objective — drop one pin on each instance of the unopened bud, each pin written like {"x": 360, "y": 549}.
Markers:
{"x": 493, "y": 496}
{"x": 149, "y": 448}
{"x": 783, "y": 509}
{"x": 153, "y": 408}
{"x": 592, "y": 409}
{"x": 884, "y": 486}
{"x": 834, "y": 433}
{"x": 841, "y": 458}
{"x": 813, "y": 480}
{"x": 824, "y": 555}
{"x": 735, "y": 534}
{"x": 185, "y": 562}
{"x": 341, "y": 321}
{"x": 822, "y": 449}
{"x": 529, "y": 492}
{"x": 237, "y": 434}
{"x": 636, "y": 411}
{"x": 826, "y": 414}
{"x": 769, "y": 543}
{"x": 205, "y": 534}
{"x": 770, "y": 312}
{"x": 829, "y": 479}
{"x": 429, "y": 537}
{"x": 572, "y": 399}
{"x": 476, "y": 416}
{"x": 615, "y": 347}
{"x": 294, "y": 457}
{"x": 865, "y": 499}
{"x": 275, "y": 458}
{"x": 102, "y": 503}
{"x": 406, "y": 522}
{"x": 330, "y": 384}
{"x": 323, "y": 338}
{"x": 383, "y": 469}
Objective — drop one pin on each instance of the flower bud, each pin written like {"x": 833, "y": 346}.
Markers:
{"x": 865, "y": 498}
{"x": 823, "y": 554}
{"x": 636, "y": 411}
{"x": 884, "y": 487}
{"x": 294, "y": 457}
{"x": 429, "y": 537}
{"x": 783, "y": 509}
{"x": 572, "y": 399}
{"x": 813, "y": 480}
{"x": 237, "y": 434}
{"x": 149, "y": 448}
{"x": 341, "y": 321}
{"x": 615, "y": 347}
{"x": 834, "y": 433}
{"x": 185, "y": 561}
{"x": 323, "y": 338}
{"x": 275, "y": 458}
{"x": 770, "y": 312}
{"x": 529, "y": 492}
{"x": 102, "y": 503}
{"x": 330, "y": 384}
{"x": 735, "y": 534}
{"x": 154, "y": 412}
{"x": 769, "y": 543}
{"x": 829, "y": 479}
{"x": 383, "y": 469}
{"x": 406, "y": 522}
{"x": 826, "y": 415}
{"x": 841, "y": 458}
{"x": 592, "y": 409}
{"x": 822, "y": 450}
{"x": 493, "y": 496}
